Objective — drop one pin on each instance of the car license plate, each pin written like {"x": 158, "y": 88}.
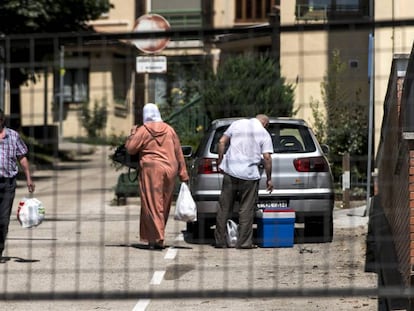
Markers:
{"x": 272, "y": 204}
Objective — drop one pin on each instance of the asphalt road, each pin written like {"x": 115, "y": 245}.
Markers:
{"x": 87, "y": 255}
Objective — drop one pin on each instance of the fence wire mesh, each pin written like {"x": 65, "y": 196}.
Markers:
{"x": 88, "y": 246}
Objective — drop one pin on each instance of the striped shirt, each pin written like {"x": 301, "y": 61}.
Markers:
{"x": 11, "y": 148}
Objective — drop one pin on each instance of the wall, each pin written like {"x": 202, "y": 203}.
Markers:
{"x": 224, "y": 13}
{"x": 120, "y": 19}
{"x": 388, "y": 42}
{"x": 305, "y": 57}
{"x": 395, "y": 163}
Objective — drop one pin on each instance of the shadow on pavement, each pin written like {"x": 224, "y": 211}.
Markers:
{"x": 17, "y": 259}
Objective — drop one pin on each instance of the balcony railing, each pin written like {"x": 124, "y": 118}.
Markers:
{"x": 181, "y": 18}
{"x": 311, "y": 12}
{"x": 308, "y": 12}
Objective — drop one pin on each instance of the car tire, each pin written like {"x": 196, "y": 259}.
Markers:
{"x": 319, "y": 229}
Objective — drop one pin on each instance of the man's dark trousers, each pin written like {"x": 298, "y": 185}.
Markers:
{"x": 7, "y": 193}
{"x": 246, "y": 191}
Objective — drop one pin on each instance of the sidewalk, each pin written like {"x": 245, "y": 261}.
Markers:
{"x": 76, "y": 148}
{"x": 350, "y": 218}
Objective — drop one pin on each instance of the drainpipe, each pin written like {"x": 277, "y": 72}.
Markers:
{"x": 274, "y": 22}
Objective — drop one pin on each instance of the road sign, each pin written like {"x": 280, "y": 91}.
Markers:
{"x": 151, "y": 64}
{"x": 148, "y": 23}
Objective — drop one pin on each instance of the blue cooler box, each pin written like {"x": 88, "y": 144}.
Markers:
{"x": 275, "y": 228}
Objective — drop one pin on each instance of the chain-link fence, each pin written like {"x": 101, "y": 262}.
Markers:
{"x": 88, "y": 247}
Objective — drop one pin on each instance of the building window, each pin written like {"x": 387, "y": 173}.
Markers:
{"x": 331, "y": 9}
{"x": 76, "y": 85}
{"x": 179, "y": 13}
{"x": 75, "y": 80}
{"x": 121, "y": 79}
{"x": 253, "y": 11}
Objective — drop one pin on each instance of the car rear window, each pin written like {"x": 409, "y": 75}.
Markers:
{"x": 286, "y": 138}
{"x": 217, "y": 134}
{"x": 290, "y": 138}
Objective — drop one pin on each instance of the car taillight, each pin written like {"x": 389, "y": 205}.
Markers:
{"x": 208, "y": 166}
{"x": 312, "y": 164}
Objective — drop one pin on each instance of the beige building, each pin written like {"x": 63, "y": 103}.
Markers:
{"x": 109, "y": 69}
{"x": 389, "y": 42}
{"x": 95, "y": 72}
{"x": 306, "y": 55}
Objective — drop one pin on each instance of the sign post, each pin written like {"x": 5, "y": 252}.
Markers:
{"x": 151, "y": 64}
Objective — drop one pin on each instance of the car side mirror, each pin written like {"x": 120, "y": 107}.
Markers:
{"x": 325, "y": 149}
{"x": 187, "y": 151}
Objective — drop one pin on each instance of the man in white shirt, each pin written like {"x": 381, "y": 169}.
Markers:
{"x": 248, "y": 144}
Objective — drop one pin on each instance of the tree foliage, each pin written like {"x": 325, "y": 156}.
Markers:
{"x": 343, "y": 126}
{"x": 319, "y": 121}
{"x": 39, "y": 16}
{"x": 181, "y": 106}
{"x": 94, "y": 120}
{"x": 346, "y": 114}
{"x": 246, "y": 85}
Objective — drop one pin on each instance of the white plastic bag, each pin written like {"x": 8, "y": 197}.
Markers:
{"x": 232, "y": 233}
{"x": 185, "y": 207}
{"x": 30, "y": 212}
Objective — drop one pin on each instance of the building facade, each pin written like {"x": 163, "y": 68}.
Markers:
{"x": 105, "y": 72}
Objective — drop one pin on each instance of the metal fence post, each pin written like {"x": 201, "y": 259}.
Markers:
{"x": 2, "y": 78}
{"x": 346, "y": 180}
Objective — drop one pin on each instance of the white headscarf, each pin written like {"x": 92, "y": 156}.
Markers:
{"x": 151, "y": 113}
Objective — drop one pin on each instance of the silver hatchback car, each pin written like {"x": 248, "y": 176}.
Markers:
{"x": 301, "y": 177}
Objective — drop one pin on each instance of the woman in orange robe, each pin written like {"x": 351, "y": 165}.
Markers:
{"x": 161, "y": 161}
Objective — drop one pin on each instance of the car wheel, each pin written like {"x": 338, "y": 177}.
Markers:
{"x": 319, "y": 228}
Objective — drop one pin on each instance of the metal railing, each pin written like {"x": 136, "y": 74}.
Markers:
{"x": 181, "y": 18}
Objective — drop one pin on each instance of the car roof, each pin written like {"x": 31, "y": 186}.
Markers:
{"x": 226, "y": 121}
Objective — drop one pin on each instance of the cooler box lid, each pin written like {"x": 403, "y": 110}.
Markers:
{"x": 277, "y": 213}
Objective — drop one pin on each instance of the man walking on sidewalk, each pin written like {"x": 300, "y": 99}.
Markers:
{"x": 12, "y": 151}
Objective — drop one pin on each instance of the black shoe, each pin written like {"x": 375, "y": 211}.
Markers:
{"x": 4, "y": 259}
{"x": 156, "y": 246}
{"x": 159, "y": 246}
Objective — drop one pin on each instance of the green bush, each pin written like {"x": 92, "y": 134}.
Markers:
{"x": 94, "y": 121}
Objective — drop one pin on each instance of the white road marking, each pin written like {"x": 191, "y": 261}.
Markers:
{"x": 141, "y": 305}
{"x": 157, "y": 277}
{"x": 171, "y": 253}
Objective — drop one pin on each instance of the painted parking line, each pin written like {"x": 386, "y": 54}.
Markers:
{"x": 171, "y": 253}
{"x": 157, "y": 277}
{"x": 141, "y": 305}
